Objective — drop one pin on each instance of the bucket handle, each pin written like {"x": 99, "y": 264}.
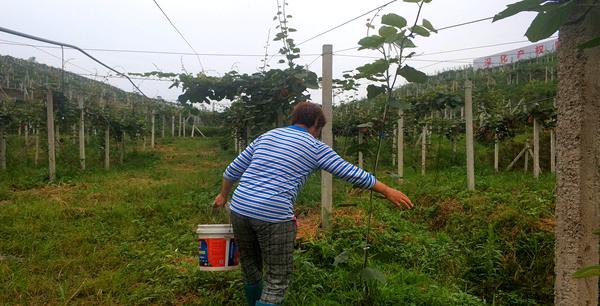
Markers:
{"x": 228, "y": 210}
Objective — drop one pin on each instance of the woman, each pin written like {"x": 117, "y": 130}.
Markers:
{"x": 271, "y": 171}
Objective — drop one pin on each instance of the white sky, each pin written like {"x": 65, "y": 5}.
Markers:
{"x": 240, "y": 27}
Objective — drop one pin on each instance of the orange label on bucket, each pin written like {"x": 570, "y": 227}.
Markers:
{"x": 213, "y": 252}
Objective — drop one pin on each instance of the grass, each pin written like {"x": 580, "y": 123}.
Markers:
{"x": 126, "y": 236}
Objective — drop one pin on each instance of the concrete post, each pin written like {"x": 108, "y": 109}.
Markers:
{"x": 172, "y": 126}
{"x": 51, "y": 140}
{"x": 496, "y": 155}
{"x": 327, "y": 135}
{"x": 469, "y": 135}
{"x": 577, "y": 162}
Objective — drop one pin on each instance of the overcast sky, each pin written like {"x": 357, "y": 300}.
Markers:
{"x": 239, "y": 27}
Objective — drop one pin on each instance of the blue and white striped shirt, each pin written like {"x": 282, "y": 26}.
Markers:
{"x": 275, "y": 166}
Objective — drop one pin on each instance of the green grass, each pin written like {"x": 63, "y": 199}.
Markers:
{"x": 126, "y": 236}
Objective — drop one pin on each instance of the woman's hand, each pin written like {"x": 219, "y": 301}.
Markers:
{"x": 395, "y": 196}
{"x": 221, "y": 198}
{"x": 220, "y": 201}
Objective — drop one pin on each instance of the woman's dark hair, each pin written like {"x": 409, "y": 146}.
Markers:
{"x": 308, "y": 114}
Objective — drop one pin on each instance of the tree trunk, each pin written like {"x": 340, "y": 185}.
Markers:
{"x": 107, "y": 147}
{"x": 37, "y": 147}
{"x": 122, "y": 151}
{"x": 577, "y": 164}
{"x": 552, "y": 151}
{"x": 247, "y": 137}
{"x": 526, "y": 165}
{"x": 193, "y": 126}
{"x": 152, "y": 120}
{"x": 57, "y": 141}
{"x": 87, "y": 137}
{"x": 360, "y": 153}
{"x": 26, "y": 134}
{"x": 2, "y": 149}
{"x": 394, "y": 138}
{"x": 536, "y": 148}
{"x": 179, "y": 127}
{"x": 400, "y": 143}
{"x": 423, "y": 149}
{"x": 280, "y": 118}
{"x": 236, "y": 143}
{"x": 81, "y": 135}
{"x": 454, "y": 149}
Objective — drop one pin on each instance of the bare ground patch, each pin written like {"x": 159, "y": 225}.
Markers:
{"x": 309, "y": 225}
{"x": 546, "y": 224}
{"x": 444, "y": 210}
{"x": 60, "y": 194}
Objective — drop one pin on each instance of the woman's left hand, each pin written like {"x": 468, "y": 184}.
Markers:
{"x": 220, "y": 201}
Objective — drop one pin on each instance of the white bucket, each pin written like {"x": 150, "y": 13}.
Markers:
{"x": 217, "y": 250}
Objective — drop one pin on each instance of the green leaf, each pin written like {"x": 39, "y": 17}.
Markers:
{"x": 594, "y": 42}
{"x": 388, "y": 32}
{"x": 374, "y": 91}
{"x": 428, "y": 25}
{"x": 407, "y": 43}
{"x": 372, "y": 274}
{"x": 588, "y": 272}
{"x": 377, "y": 67}
{"x": 412, "y": 75}
{"x": 405, "y": 106}
{"x": 518, "y": 7}
{"x": 547, "y": 23}
{"x": 420, "y": 31}
{"x": 392, "y": 19}
{"x": 341, "y": 258}
{"x": 371, "y": 42}
{"x": 396, "y": 102}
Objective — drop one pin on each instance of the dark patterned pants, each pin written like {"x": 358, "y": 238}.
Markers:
{"x": 269, "y": 243}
